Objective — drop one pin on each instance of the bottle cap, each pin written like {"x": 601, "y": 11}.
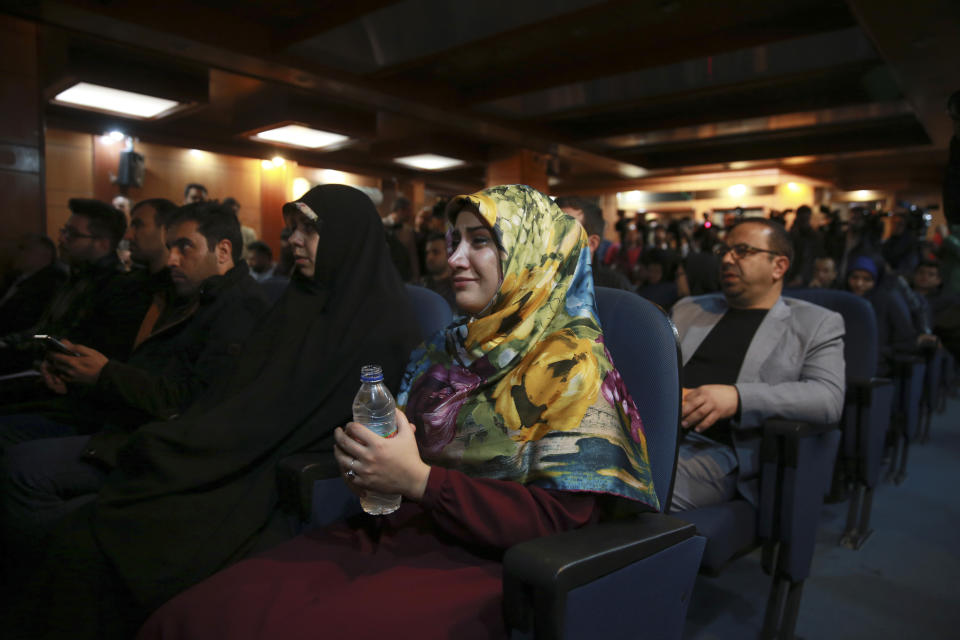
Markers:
{"x": 371, "y": 373}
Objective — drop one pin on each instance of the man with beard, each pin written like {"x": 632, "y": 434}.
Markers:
{"x": 750, "y": 354}
{"x": 438, "y": 276}
{"x": 192, "y": 338}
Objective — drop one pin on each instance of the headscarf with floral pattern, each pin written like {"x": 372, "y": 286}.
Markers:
{"x": 527, "y": 391}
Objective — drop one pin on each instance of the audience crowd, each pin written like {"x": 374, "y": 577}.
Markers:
{"x": 184, "y": 360}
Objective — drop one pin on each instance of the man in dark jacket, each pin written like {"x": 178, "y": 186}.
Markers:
{"x": 192, "y": 343}
{"x": 807, "y": 247}
{"x": 99, "y": 306}
{"x": 25, "y": 294}
{"x": 591, "y": 219}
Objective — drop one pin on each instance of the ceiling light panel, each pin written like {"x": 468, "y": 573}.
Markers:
{"x": 429, "y": 162}
{"x": 296, "y": 135}
{"x": 99, "y": 98}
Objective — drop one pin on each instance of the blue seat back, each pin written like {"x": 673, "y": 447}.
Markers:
{"x": 433, "y": 312}
{"x": 646, "y": 350}
{"x": 860, "y": 343}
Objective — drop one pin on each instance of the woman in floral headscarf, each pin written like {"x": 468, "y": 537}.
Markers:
{"x": 521, "y": 427}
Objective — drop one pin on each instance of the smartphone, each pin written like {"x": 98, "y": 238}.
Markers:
{"x": 55, "y": 345}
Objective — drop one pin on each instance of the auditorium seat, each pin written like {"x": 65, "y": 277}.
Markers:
{"x": 867, "y": 407}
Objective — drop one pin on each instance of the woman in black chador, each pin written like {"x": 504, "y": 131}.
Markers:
{"x": 192, "y": 495}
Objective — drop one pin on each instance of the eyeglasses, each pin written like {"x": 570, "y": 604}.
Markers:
{"x": 741, "y": 251}
{"x": 70, "y": 233}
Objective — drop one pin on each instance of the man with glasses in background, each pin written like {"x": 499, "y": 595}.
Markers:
{"x": 99, "y": 305}
{"x": 749, "y": 354}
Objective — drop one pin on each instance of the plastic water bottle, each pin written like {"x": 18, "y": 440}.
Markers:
{"x": 375, "y": 408}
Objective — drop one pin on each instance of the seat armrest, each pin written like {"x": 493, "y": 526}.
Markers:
{"x": 547, "y": 568}
{"x": 867, "y": 383}
{"x": 907, "y": 359}
{"x": 296, "y": 475}
{"x": 860, "y": 390}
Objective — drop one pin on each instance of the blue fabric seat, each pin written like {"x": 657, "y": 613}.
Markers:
{"x": 730, "y": 528}
{"x": 433, "y": 312}
{"x": 908, "y": 372}
{"x": 645, "y": 565}
{"x": 867, "y": 411}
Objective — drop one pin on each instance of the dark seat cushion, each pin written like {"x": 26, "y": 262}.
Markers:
{"x": 730, "y": 528}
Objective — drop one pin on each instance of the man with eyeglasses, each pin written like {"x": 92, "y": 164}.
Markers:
{"x": 749, "y": 354}
{"x": 99, "y": 305}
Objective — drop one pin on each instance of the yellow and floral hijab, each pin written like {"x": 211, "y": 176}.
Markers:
{"x": 528, "y": 392}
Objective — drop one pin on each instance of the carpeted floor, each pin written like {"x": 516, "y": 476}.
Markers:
{"x": 903, "y": 584}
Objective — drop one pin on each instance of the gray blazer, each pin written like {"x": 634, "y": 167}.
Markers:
{"x": 793, "y": 369}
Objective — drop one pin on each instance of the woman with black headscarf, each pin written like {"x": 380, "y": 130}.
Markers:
{"x": 192, "y": 495}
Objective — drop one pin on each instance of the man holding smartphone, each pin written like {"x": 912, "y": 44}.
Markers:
{"x": 197, "y": 332}
{"x": 99, "y": 305}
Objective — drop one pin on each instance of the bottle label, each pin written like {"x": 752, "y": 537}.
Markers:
{"x": 386, "y": 429}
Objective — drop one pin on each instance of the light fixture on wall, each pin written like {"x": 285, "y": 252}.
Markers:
{"x": 429, "y": 162}
{"x": 299, "y": 187}
{"x": 112, "y": 137}
{"x": 631, "y": 199}
{"x": 297, "y": 135}
{"x": 96, "y": 97}
{"x": 737, "y": 190}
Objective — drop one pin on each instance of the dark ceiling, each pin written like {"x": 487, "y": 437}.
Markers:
{"x": 610, "y": 91}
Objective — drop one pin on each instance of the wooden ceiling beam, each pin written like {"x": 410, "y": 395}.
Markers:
{"x": 215, "y": 49}
{"x": 881, "y": 133}
{"x": 919, "y": 41}
{"x": 320, "y": 19}
{"x": 856, "y": 83}
{"x": 612, "y": 38}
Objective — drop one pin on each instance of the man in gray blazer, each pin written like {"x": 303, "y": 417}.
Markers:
{"x": 750, "y": 354}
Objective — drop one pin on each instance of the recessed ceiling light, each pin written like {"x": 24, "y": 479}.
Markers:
{"x": 299, "y": 136}
{"x": 92, "y": 96}
{"x": 429, "y": 162}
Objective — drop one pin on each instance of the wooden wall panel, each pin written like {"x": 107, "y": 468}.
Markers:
{"x": 21, "y": 137}
{"x": 69, "y": 174}
{"x": 170, "y": 169}
{"x": 274, "y": 193}
{"x": 83, "y": 165}
{"x": 106, "y": 160}
{"x": 523, "y": 167}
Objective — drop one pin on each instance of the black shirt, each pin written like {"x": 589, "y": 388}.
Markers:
{"x": 720, "y": 356}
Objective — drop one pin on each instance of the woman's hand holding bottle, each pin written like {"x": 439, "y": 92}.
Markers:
{"x": 385, "y": 465}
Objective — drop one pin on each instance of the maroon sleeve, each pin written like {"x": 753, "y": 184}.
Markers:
{"x": 501, "y": 513}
